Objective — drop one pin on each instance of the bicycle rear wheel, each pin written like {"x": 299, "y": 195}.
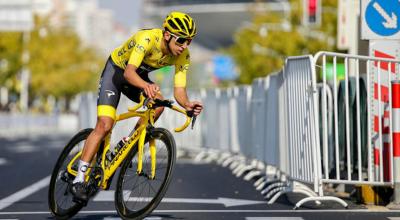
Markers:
{"x": 59, "y": 198}
{"x": 136, "y": 196}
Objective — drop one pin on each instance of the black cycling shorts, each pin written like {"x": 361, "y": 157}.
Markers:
{"x": 112, "y": 83}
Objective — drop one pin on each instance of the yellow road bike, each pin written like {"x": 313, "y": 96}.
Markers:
{"x": 146, "y": 162}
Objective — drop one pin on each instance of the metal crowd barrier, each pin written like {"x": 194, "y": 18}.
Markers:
{"x": 298, "y": 129}
{"x": 362, "y": 148}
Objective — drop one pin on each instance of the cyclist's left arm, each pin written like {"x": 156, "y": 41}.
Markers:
{"x": 181, "y": 97}
{"x": 180, "y": 93}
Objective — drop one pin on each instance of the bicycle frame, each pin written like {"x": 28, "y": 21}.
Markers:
{"x": 138, "y": 136}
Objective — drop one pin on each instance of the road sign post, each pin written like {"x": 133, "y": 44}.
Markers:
{"x": 380, "y": 25}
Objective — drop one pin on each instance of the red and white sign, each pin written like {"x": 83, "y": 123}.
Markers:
{"x": 396, "y": 129}
{"x": 382, "y": 73}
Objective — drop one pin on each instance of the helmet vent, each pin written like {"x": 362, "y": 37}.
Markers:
{"x": 172, "y": 24}
{"x": 180, "y": 24}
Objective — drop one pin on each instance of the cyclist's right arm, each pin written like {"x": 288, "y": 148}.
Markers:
{"x": 141, "y": 44}
{"x": 133, "y": 78}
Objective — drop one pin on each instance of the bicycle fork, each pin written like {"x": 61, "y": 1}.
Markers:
{"x": 152, "y": 147}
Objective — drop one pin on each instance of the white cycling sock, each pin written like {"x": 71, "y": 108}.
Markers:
{"x": 80, "y": 177}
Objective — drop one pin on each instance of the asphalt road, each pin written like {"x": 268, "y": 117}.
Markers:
{"x": 198, "y": 191}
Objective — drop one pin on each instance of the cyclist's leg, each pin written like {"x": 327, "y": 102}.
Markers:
{"x": 103, "y": 126}
{"x": 107, "y": 102}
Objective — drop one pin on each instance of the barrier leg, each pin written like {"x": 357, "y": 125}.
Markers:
{"x": 321, "y": 198}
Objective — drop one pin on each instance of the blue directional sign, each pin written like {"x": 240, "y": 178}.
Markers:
{"x": 224, "y": 68}
{"x": 382, "y": 17}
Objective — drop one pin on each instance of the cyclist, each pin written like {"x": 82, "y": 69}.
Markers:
{"x": 127, "y": 71}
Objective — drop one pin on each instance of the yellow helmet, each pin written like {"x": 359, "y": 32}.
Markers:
{"x": 180, "y": 24}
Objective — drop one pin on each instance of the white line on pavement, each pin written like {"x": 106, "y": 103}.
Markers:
{"x": 4, "y": 203}
{"x": 117, "y": 218}
{"x": 227, "y": 202}
{"x": 3, "y": 161}
{"x": 222, "y": 211}
{"x": 24, "y": 149}
{"x": 274, "y": 218}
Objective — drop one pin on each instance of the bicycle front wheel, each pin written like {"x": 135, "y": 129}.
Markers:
{"x": 136, "y": 196}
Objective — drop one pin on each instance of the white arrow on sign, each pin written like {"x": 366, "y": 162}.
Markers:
{"x": 105, "y": 196}
{"x": 391, "y": 22}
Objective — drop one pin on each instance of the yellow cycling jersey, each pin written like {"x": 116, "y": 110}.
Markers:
{"x": 143, "y": 50}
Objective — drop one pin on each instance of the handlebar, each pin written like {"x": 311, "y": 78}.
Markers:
{"x": 154, "y": 103}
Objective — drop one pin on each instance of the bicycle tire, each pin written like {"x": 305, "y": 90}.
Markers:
{"x": 164, "y": 139}
{"x": 55, "y": 207}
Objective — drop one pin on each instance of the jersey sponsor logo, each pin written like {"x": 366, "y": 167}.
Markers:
{"x": 187, "y": 57}
{"x": 109, "y": 93}
{"x": 121, "y": 52}
{"x": 140, "y": 48}
{"x": 183, "y": 67}
{"x": 131, "y": 44}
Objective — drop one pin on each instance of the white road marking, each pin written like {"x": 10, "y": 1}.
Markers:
{"x": 8, "y": 201}
{"x": 222, "y": 211}
{"x": 227, "y": 202}
{"x": 24, "y": 149}
{"x": 394, "y": 218}
{"x": 274, "y": 218}
{"x": 3, "y": 161}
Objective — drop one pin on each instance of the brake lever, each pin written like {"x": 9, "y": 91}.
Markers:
{"x": 193, "y": 120}
{"x": 194, "y": 117}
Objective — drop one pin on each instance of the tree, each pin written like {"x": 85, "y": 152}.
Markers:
{"x": 10, "y": 58}
{"x": 261, "y": 47}
{"x": 60, "y": 65}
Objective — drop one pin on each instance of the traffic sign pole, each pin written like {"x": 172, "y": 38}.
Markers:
{"x": 380, "y": 25}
